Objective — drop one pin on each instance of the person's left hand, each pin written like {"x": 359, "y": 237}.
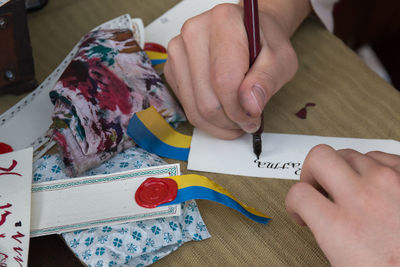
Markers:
{"x": 359, "y": 224}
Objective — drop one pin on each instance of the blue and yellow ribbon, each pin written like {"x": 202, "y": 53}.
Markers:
{"x": 194, "y": 186}
{"x": 151, "y": 132}
{"x": 157, "y": 57}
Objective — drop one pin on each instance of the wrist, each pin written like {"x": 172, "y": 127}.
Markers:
{"x": 288, "y": 13}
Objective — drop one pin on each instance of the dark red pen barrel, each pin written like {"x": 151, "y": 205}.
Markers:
{"x": 252, "y": 28}
{"x": 253, "y": 36}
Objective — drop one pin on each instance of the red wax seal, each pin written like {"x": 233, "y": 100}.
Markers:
{"x": 154, "y": 47}
{"x": 4, "y": 148}
{"x": 156, "y": 191}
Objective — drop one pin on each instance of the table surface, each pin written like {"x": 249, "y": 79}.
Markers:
{"x": 351, "y": 101}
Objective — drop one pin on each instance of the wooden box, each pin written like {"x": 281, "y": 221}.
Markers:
{"x": 16, "y": 62}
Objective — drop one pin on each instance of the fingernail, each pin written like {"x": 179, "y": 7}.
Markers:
{"x": 249, "y": 128}
{"x": 258, "y": 97}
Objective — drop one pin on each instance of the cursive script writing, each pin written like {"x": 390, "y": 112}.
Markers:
{"x": 295, "y": 166}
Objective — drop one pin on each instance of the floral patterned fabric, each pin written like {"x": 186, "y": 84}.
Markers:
{"x": 109, "y": 80}
{"x": 130, "y": 244}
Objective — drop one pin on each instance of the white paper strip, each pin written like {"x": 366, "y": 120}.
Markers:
{"x": 15, "y": 203}
{"x": 67, "y": 205}
{"x": 170, "y": 23}
{"x": 282, "y": 154}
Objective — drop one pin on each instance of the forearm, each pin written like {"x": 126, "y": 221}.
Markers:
{"x": 289, "y": 13}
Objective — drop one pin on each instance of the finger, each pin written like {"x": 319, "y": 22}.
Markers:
{"x": 309, "y": 207}
{"x": 229, "y": 63}
{"x": 178, "y": 75}
{"x": 325, "y": 167}
{"x": 194, "y": 31}
{"x": 390, "y": 160}
{"x": 359, "y": 162}
{"x": 271, "y": 70}
{"x": 169, "y": 76}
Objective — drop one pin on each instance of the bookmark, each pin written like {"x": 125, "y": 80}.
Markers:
{"x": 93, "y": 201}
{"x": 150, "y": 131}
{"x": 155, "y": 55}
{"x": 158, "y": 192}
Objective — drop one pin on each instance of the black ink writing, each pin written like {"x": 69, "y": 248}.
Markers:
{"x": 295, "y": 166}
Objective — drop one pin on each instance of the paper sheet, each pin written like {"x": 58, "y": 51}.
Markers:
{"x": 282, "y": 154}
{"x": 15, "y": 203}
{"x": 91, "y": 201}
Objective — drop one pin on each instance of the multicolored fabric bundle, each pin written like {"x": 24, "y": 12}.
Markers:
{"x": 108, "y": 81}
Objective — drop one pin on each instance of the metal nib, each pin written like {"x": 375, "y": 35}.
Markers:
{"x": 257, "y": 145}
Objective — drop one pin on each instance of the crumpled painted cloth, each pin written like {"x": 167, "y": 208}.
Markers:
{"x": 109, "y": 79}
{"x": 130, "y": 244}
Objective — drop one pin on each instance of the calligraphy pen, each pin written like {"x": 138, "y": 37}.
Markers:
{"x": 253, "y": 35}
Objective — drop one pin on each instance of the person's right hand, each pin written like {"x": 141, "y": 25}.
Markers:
{"x": 208, "y": 69}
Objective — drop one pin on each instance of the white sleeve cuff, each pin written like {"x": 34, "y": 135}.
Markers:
{"x": 324, "y": 10}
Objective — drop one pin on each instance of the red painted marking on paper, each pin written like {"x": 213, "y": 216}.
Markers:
{"x": 18, "y": 235}
{"x": 8, "y": 205}
{"x": 5, "y": 148}
{"x": 156, "y": 191}
{"x": 302, "y": 113}
{"x": 3, "y": 259}
{"x": 18, "y": 250}
{"x": 13, "y": 164}
{"x": 7, "y": 170}
{"x": 4, "y": 217}
{"x": 5, "y": 214}
{"x": 10, "y": 173}
{"x": 19, "y": 261}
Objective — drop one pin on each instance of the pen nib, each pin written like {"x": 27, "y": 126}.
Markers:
{"x": 257, "y": 145}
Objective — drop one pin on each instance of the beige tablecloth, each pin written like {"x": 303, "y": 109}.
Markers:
{"x": 351, "y": 101}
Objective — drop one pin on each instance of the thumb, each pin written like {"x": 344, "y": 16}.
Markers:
{"x": 268, "y": 74}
